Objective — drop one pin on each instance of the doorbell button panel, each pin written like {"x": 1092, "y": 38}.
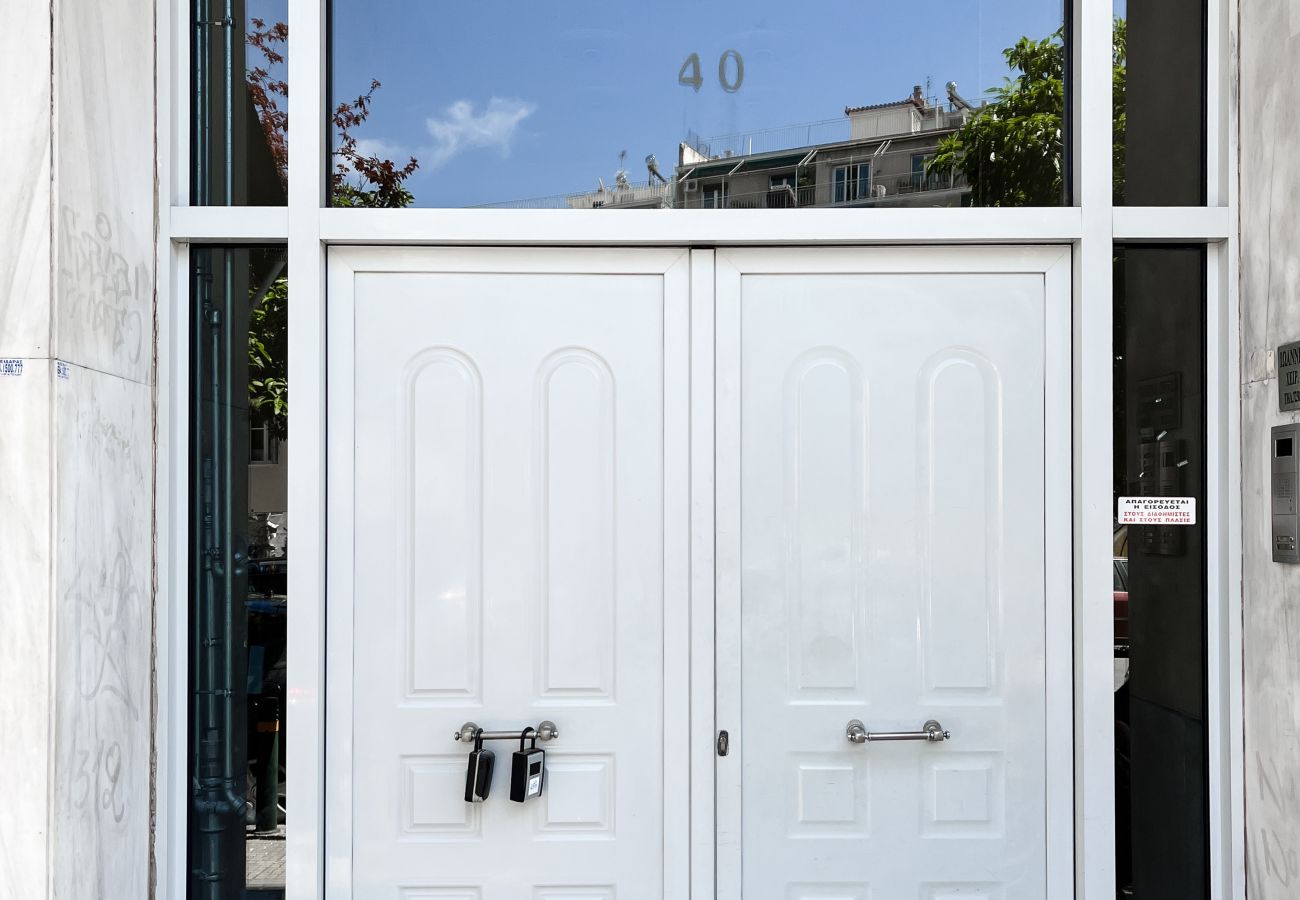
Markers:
{"x": 1285, "y": 482}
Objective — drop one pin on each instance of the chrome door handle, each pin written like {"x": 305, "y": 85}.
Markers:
{"x": 931, "y": 731}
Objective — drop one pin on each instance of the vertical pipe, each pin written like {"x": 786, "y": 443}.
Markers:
{"x": 214, "y": 827}
{"x": 206, "y": 865}
{"x": 228, "y": 21}
{"x": 234, "y": 557}
{"x": 218, "y": 805}
{"x": 200, "y": 112}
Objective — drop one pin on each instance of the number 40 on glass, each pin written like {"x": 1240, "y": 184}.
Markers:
{"x": 689, "y": 73}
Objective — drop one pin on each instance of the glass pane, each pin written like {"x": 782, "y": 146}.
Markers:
{"x": 611, "y": 105}
{"x": 1160, "y": 80}
{"x": 1159, "y": 596}
{"x": 240, "y": 103}
{"x": 238, "y": 572}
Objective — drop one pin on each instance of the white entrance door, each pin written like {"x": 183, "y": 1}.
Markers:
{"x": 524, "y": 447}
{"x": 507, "y": 544}
{"x": 893, "y": 469}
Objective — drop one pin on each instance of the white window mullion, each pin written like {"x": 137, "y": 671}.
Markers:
{"x": 171, "y": 476}
{"x": 1223, "y": 571}
{"x": 175, "y": 85}
{"x": 1173, "y": 224}
{"x": 171, "y": 606}
{"x": 1219, "y": 97}
{"x": 1092, "y": 111}
{"x": 305, "y": 873}
{"x": 737, "y": 227}
{"x": 230, "y": 224}
{"x": 1229, "y": 880}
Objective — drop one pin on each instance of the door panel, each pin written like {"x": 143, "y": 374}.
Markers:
{"x": 888, "y": 423}
{"x": 518, "y": 481}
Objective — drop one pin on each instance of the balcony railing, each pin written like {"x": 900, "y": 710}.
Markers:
{"x": 810, "y": 134}
{"x": 639, "y": 194}
{"x": 938, "y": 190}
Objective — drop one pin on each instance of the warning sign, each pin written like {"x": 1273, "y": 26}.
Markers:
{"x": 1157, "y": 511}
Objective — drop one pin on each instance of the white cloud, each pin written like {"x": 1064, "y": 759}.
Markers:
{"x": 383, "y": 149}
{"x": 462, "y": 129}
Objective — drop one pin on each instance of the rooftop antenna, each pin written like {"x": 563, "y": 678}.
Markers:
{"x": 620, "y": 177}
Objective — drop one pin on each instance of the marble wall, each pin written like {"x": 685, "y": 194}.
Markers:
{"x": 77, "y": 302}
{"x": 25, "y": 412}
{"x": 1270, "y": 301}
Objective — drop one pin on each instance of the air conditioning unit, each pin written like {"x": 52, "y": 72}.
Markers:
{"x": 692, "y": 185}
{"x": 878, "y": 190}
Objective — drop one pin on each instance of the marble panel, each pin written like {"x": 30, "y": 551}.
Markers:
{"x": 25, "y": 154}
{"x": 1269, "y": 57}
{"x": 1270, "y": 178}
{"x": 1271, "y": 635}
{"x": 25, "y": 628}
{"x": 104, "y": 178}
{"x": 103, "y": 507}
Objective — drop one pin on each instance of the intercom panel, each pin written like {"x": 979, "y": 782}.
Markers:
{"x": 1285, "y": 446}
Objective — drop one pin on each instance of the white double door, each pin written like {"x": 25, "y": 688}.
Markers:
{"x": 654, "y": 495}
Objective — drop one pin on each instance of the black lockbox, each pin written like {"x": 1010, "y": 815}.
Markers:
{"x": 478, "y": 779}
{"x": 527, "y": 769}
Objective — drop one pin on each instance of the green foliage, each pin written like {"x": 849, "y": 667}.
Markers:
{"x": 268, "y": 346}
{"x": 393, "y": 196}
{"x": 1119, "y": 78}
{"x": 1011, "y": 151}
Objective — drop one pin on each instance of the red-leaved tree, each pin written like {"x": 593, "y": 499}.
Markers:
{"x": 355, "y": 180}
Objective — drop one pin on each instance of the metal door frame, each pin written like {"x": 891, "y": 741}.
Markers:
{"x": 1091, "y": 228}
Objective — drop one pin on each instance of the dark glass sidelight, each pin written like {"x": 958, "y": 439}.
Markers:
{"x": 1160, "y": 590}
{"x": 697, "y": 105}
{"x": 239, "y": 103}
{"x": 238, "y": 569}
{"x": 1160, "y": 102}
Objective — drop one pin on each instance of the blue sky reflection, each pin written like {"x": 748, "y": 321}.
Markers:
{"x": 507, "y": 101}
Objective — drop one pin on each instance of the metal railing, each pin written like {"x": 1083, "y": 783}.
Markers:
{"x": 636, "y": 193}
{"x": 807, "y": 134}
{"x": 892, "y": 175}
{"x": 932, "y": 190}
{"x": 768, "y": 140}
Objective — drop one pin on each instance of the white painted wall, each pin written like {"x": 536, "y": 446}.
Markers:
{"x": 76, "y": 448}
{"x": 1270, "y": 307}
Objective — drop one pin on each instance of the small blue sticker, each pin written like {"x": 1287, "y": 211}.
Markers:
{"x": 11, "y": 367}
{"x": 62, "y": 369}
